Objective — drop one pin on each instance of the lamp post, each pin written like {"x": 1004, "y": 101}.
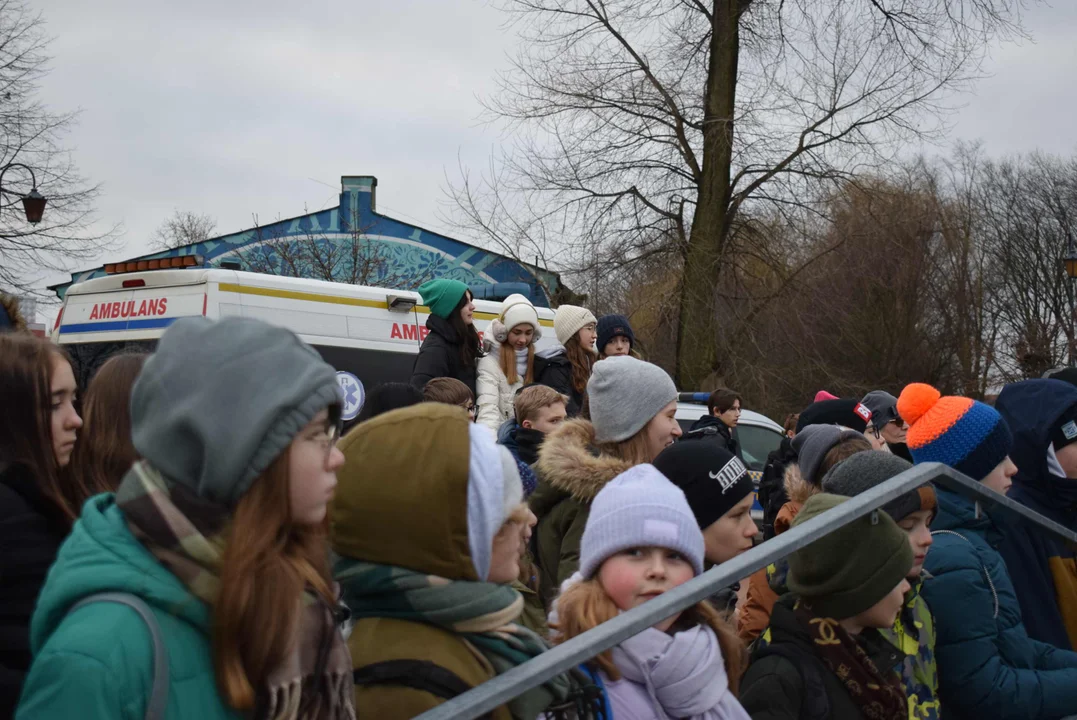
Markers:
{"x": 33, "y": 203}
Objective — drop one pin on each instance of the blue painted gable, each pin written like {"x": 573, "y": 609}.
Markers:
{"x": 412, "y": 254}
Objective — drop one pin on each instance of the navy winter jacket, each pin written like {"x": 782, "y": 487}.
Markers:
{"x": 989, "y": 668}
{"x": 1042, "y": 569}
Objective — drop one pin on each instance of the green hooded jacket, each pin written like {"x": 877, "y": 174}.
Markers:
{"x": 97, "y": 663}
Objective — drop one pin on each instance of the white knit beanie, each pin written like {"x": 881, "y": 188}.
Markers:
{"x": 569, "y": 320}
{"x": 624, "y": 394}
{"x": 515, "y": 310}
{"x": 639, "y": 508}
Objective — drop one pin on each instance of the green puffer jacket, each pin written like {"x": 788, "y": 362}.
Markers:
{"x": 571, "y": 472}
{"x": 914, "y": 635}
{"x": 97, "y": 663}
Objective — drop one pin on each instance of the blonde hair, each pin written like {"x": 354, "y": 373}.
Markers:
{"x": 507, "y": 359}
{"x": 586, "y": 605}
{"x": 532, "y": 399}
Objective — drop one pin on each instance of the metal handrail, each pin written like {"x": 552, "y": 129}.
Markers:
{"x": 502, "y": 688}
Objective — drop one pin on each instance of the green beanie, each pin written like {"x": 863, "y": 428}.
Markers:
{"x": 846, "y": 572}
{"x": 442, "y": 296}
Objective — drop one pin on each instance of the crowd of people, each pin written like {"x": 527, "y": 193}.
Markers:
{"x": 199, "y": 535}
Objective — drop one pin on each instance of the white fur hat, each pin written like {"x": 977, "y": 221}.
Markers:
{"x": 515, "y": 310}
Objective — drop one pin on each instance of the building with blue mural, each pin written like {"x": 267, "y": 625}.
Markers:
{"x": 393, "y": 253}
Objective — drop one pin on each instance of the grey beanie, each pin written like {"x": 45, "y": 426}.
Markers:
{"x": 220, "y": 400}
{"x": 813, "y": 443}
{"x": 624, "y": 394}
{"x": 865, "y": 470}
{"x": 883, "y": 408}
{"x": 639, "y": 508}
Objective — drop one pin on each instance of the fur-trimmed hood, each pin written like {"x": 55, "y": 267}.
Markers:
{"x": 570, "y": 462}
{"x": 12, "y": 316}
{"x": 796, "y": 487}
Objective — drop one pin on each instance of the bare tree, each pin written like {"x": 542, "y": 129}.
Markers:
{"x": 33, "y": 135}
{"x": 643, "y": 125}
{"x": 1029, "y": 210}
{"x": 183, "y": 228}
{"x": 354, "y": 258}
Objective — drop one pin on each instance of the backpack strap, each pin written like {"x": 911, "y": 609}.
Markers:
{"x": 814, "y": 703}
{"x": 415, "y": 674}
{"x": 158, "y": 700}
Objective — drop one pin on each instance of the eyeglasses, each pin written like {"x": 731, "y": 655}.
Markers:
{"x": 328, "y": 438}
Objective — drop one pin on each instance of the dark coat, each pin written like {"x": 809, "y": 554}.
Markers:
{"x": 726, "y": 436}
{"x": 522, "y": 442}
{"x": 556, "y": 371}
{"x": 988, "y": 665}
{"x": 773, "y": 688}
{"x": 772, "y": 493}
{"x": 1043, "y": 569}
{"x": 440, "y": 356}
{"x": 31, "y": 531}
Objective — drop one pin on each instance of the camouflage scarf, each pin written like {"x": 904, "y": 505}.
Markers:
{"x": 186, "y": 535}
{"x": 879, "y": 695}
{"x": 480, "y": 613}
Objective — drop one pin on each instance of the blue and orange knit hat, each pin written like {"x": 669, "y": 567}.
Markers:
{"x": 967, "y": 435}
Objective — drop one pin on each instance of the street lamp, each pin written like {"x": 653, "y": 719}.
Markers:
{"x": 1070, "y": 260}
{"x": 33, "y": 203}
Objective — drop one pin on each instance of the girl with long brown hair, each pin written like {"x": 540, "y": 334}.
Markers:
{"x": 219, "y": 530}
{"x": 510, "y": 360}
{"x": 633, "y": 418}
{"x": 39, "y": 424}
{"x": 568, "y": 367}
{"x": 642, "y": 540}
{"x": 105, "y": 451}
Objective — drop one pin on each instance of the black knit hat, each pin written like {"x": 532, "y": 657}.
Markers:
{"x": 848, "y": 412}
{"x": 846, "y": 572}
{"x": 610, "y": 326}
{"x": 713, "y": 479}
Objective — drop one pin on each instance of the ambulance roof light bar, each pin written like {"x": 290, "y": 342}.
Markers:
{"x": 169, "y": 263}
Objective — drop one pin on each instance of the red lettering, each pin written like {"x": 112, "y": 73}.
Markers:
{"x": 115, "y": 312}
{"x": 411, "y": 332}
{"x": 142, "y": 308}
{"x": 162, "y": 306}
{"x": 125, "y": 308}
{"x": 395, "y": 333}
{"x": 151, "y": 307}
{"x": 93, "y": 313}
{"x": 423, "y": 332}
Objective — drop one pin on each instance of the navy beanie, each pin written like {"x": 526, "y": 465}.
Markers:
{"x": 610, "y": 326}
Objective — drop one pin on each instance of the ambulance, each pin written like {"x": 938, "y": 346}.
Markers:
{"x": 370, "y": 335}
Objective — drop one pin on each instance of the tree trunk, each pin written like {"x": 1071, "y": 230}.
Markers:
{"x": 697, "y": 355}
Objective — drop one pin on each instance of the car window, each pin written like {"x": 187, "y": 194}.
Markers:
{"x": 756, "y": 443}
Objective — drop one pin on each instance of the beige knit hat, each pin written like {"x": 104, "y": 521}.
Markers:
{"x": 569, "y": 320}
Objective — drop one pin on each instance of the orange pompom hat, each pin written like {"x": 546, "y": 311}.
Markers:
{"x": 967, "y": 435}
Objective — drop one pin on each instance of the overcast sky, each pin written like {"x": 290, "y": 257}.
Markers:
{"x": 240, "y": 108}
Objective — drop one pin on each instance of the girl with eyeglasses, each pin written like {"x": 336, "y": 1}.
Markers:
{"x": 217, "y": 533}
{"x": 567, "y": 367}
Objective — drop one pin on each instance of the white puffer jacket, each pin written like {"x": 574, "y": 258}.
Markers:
{"x": 496, "y": 395}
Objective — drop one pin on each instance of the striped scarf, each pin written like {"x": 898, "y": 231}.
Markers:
{"x": 480, "y": 613}
{"x": 186, "y": 535}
